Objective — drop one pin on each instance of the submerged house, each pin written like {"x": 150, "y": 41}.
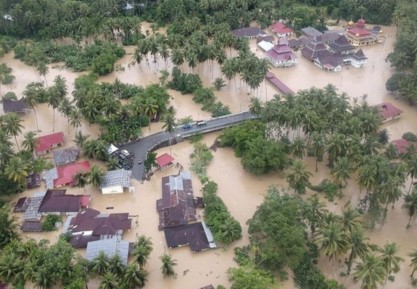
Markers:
{"x": 317, "y": 52}
{"x": 359, "y": 35}
{"x": 66, "y": 156}
{"x": 388, "y": 111}
{"x": 248, "y": 32}
{"x": 17, "y": 106}
{"x": 110, "y": 247}
{"x": 59, "y": 203}
{"x": 281, "y": 30}
{"x": 281, "y": 55}
{"x": 64, "y": 175}
{"x": 91, "y": 225}
{"x": 47, "y": 142}
{"x": 116, "y": 182}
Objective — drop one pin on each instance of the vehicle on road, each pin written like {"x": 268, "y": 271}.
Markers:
{"x": 201, "y": 122}
{"x": 187, "y": 126}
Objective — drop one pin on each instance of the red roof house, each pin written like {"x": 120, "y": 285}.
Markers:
{"x": 64, "y": 175}
{"x": 359, "y": 35}
{"x": 46, "y": 142}
{"x": 402, "y": 145}
{"x": 164, "y": 161}
{"x": 388, "y": 111}
{"x": 281, "y": 29}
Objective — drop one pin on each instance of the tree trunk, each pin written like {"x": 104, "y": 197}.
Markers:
{"x": 411, "y": 185}
{"x": 53, "y": 122}
{"x": 36, "y": 119}
{"x": 17, "y": 145}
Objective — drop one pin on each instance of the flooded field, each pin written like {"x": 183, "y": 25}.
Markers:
{"x": 241, "y": 191}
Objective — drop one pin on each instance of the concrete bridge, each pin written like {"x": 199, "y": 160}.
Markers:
{"x": 142, "y": 146}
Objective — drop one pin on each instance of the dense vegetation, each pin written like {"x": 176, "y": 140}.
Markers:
{"x": 404, "y": 56}
{"x": 224, "y": 227}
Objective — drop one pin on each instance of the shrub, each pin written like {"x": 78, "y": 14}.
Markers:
{"x": 50, "y": 222}
{"x": 409, "y": 136}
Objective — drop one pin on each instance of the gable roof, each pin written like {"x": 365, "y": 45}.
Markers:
{"x": 177, "y": 204}
{"x": 341, "y": 44}
{"x": 248, "y": 32}
{"x": 33, "y": 181}
{"x": 10, "y": 105}
{"x": 164, "y": 160}
{"x": 388, "y": 110}
{"x": 31, "y": 226}
{"x": 66, "y": 173}
{"x": 119, "y": 177}
{"x": 45, "y": 142}
{"x": 57, "y": 201}
{"x": 402, "y": 145}
{"x": 278, "y": 83}
{"x": 21, "y": 205}
{"x": 358, "y": 55}
{"x": 110, "y": 247}
{"x": 280, "y": 28}
{"x": 198, "y": 236}
{"x": 65, "y": 156}
{"x": 310, "y": 31}
{"x": 100, "y": 224}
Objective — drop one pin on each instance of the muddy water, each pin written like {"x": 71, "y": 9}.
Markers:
{"x": 241, "y": 191}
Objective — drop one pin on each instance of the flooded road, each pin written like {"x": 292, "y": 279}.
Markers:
{"x": 241, "y": 191}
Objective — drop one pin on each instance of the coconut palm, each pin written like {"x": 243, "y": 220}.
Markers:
{"x": 65, "y": 107}
{"x": 390, "y": 259}
{"x": 350, "y": 219}
{"x": 298, "y": 177}
{"x": 313, "y": 211}
{"x": 100, "y": 264}
{"x": 11, "y": 266}
{"x": 358, "y": 246}
{"x": 255, "y": 106}
{"x": 43, "y": 70}
{"x": 43, "y": 279}
{"x": 81, "y": 179}
{"x": 16, "y": 169}
{"x": 150, "y": 108}
{"x": 56, "y": 94}
{"x": 341, "y": 171}
{"x": 169, "y": 124}
{"x": 411, "y": 163}
{"x": 411, "y": 204}
{"x": 134, "y": 277}
{"x": 13, "y": 125}
{"x": 413, "y": 262}
{"x": 96, "y": 175}
{"x": 371, "y": 272}
{"x": 80, "y": 139}
{"x": 109, "y": 281}
{"x": 168, "y": 265}
{"x": 142, "y": 250}
{"x": 30, "y": 141}
{"x": 332, "y": 239}
{"x": 75, "y": 118}
{"x": 116, "y": 265}
{"x": 32, "y": 97}
{"x": 8, "y": 228}
{"x": 336, "y": 147}
{"x": 317, "y": 146}
{"x": 298, "y": 148}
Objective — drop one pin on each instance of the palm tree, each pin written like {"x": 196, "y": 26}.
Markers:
{"x": 411, "y": 204}
{"x": 96, "y": 175}
{"x": 11, "y": 266}
{"x": 298, "y": 148}
{"x": 109, "y": 281}
{"x": 75, "y": 118}
{"x": 142, "y": 250}
{"x": 168, "y": 264}
{"x": 371, "y": 271}
{"x": 17, "y": 169}
{"x": 255, "y": 106}
{"x": 32, "y": 97}
{"x": 100, "y": 264}
{"x": 299, "y": 177}
{"x": 116, "y": 265}
{"x": 313, "y": 211}
{"x": 81, "y": 179}
{"x": 390, "y": 259}
{"x": 56, "y": 94}
{"x": 134, "y": 277}
{"x": 65, "y": 108}
{"x": 30, "y": 141}
{"x": 336, "y": 147}
{"x": 411, "y": 163}
{"x": 169, "y": 124}
{"x": 413, "y": 262}
{"x": 318, "y": 146}
{"x": 13, "y": 125}
{"x": 80, "y": 139}
{"x": 150, "y": 108}
{"x": 358, "y": 246}
{"x": 332, "y": 239}
{"x": 8, "y": 228}
{"x": 341, "y": 171}
{"x": 350, "y": 219}
{"x": 43, "y": 70}
{"x": 43, "y": 279}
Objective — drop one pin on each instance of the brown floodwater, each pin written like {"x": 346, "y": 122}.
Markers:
{"x": 241, "y": 191}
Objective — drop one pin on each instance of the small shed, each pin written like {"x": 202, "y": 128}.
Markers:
{"x": 31, "y": 226}
{"x": 33, "y": 181}
{"x": 17, "y": 106}
{"x": 47, "y": 142}
{"x": 164, "y": 161}
{"x": 21, "y": 205}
